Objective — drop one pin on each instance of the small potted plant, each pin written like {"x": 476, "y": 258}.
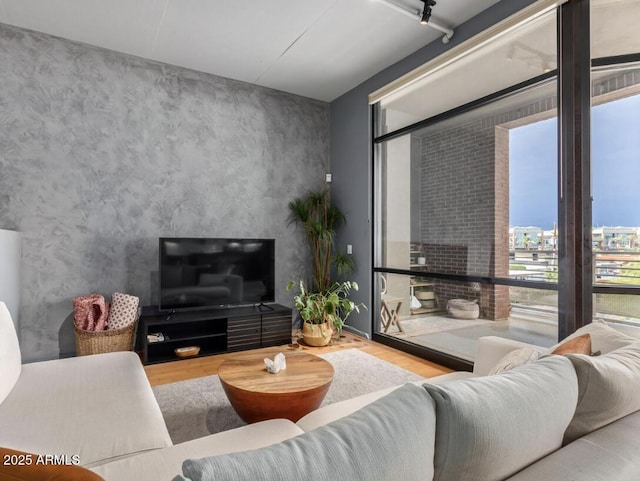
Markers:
{"x": 323, "y": 304}
{"x": 323, "y": 312}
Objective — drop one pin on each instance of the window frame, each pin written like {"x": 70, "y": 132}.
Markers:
{"x": 575, "y": 277}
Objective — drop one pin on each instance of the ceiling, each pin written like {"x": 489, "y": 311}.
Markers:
{"x": 318, "y": 49}
{"x": 518, "y": 55}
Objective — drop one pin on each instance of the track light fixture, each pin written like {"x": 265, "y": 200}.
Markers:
{"x": 426, "y": 11}
{"x": 423, "y": 16}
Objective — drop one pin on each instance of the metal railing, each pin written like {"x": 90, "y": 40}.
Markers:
{"x": 610, "y": 267}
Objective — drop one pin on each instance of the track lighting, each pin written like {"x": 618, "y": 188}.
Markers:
{"x": 426, "y": 11}
{"x": 424, "y": 16}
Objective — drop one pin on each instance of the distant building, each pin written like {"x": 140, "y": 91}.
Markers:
{"x": 616, "y": 238}
{"x": 527, "y": 238}
{"x": 603, "y": 238}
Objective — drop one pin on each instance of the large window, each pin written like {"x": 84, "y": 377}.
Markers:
{"x": 616, "y": 197}
{"x": 615, "y": 48}
{"x": 466, "y": 190}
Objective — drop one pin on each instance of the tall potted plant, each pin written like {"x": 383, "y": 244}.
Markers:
{"x": 323, "y": 304}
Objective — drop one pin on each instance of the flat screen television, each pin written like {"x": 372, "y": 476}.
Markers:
{"x": 198, "y": 273}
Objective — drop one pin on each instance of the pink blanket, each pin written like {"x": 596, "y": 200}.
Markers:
{"x": 90, "y": 313}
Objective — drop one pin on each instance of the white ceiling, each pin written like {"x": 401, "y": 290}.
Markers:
{"x": 318, "y": 49}
{"x": 518, "y": 55}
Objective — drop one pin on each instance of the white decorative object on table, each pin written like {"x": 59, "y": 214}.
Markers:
{"x": 278, "y": 363}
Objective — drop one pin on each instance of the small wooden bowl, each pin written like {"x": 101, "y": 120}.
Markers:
{"x": 189, "y": 351}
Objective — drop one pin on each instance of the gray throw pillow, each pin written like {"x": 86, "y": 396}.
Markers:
{"x": 489, "y": 428}
{"x": 390, "y": 439}
{"x": 609, "y": 388}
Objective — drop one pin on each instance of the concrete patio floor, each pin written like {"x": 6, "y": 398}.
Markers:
{"x": 459, "y": 337}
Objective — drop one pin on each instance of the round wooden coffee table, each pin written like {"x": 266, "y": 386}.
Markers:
{"x": 257, "y": 395}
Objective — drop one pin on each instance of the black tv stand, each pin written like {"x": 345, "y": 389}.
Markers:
{"x": 214, "y": 330}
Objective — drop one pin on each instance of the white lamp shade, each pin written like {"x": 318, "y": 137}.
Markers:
{"x": 10, "y": 261}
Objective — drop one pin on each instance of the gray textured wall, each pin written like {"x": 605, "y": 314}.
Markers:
{"x": 351, "y": 149}
{"x": 101, "y": 153}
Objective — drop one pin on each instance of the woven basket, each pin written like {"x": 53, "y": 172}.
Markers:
{"x": 463, "y": 309}
{"x": 98, "y": 342}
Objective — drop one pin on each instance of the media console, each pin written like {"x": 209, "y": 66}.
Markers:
{"x": 214, "y": 330}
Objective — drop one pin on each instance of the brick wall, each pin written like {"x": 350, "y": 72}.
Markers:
{"x": 464, "y": 204}
{"x": 463, "y": 218}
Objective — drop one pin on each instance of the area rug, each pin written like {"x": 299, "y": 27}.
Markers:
{"x": 199, "y": 407}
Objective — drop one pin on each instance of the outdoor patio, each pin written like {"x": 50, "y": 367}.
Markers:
{"x": 458, "y": 337}
{"x": 533, "y": 324}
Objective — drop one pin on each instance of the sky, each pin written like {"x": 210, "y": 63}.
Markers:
{"x": 615, "y": 159}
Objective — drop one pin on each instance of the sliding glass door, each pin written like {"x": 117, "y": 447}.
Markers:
{"x": 468, "y": 228}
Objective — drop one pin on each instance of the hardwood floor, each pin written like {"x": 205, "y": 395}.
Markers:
{"x": 205, "y": 366}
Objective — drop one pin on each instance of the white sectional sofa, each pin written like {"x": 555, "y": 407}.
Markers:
{"x": 507, "y": 426}
{"x": 97, "y": 408}
{"x": 462, "y": 426}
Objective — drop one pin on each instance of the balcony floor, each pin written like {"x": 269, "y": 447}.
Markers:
{"x": 459, "y": 337}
